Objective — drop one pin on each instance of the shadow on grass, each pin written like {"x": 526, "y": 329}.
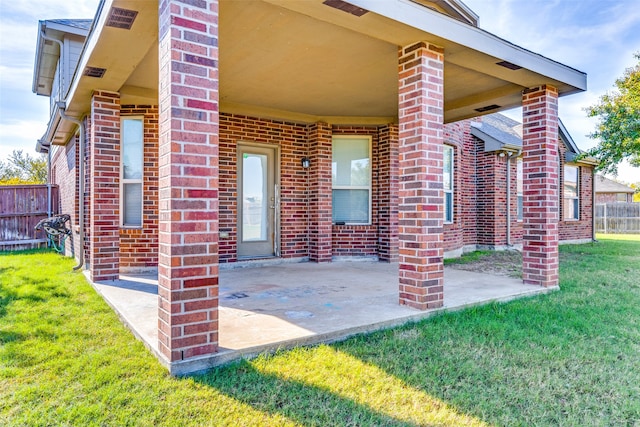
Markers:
{"x": 321, "y": 386}
{"x": 302, "y": 403}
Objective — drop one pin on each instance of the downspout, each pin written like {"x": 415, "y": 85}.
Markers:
{"x": 48, "y": 148}
{"x": 509, "y": 157}
{"x": 61, "y": 107}
{"x": 49, "y": 203}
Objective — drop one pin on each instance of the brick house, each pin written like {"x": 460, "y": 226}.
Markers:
{"x": 610, "y": 191}
{"x": 186, "y": 134}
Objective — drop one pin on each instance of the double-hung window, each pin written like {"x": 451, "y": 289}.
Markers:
{"x": 351, "y": 179}
{"x": 571, "y": 206}
{"x": 447, "y": 175}
{"x": 519, "y": 189}
{"x": 131, "y": 155}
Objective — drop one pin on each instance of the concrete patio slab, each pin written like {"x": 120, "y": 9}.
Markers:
{"x": 281, "y": 306}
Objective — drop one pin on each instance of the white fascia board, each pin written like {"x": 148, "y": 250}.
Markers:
{"x": 463, "y": 9}
{"x": 50, "y": 25}
{"x": 90, "y": 43}
{"x": 564, "y": 134}
{"x": 440, "y": 25}
{"x": 36, "y": 65}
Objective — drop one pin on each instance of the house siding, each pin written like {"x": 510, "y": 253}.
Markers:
{"x": 613, "y": 198}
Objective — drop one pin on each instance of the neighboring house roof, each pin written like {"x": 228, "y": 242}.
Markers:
{"x": 606, "y": 185}
{"x": 501, "y": 133}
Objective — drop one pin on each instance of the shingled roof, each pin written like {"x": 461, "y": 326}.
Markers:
{"x": 606, "y": 185}
{"x": 84, "y": 24}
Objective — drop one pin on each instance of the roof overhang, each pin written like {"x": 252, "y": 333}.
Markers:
{"x": 305, "y": 61}
{"x": 493, "y": 144}
{"x": 48, "y": 53}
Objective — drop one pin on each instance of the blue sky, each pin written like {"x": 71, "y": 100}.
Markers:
{"x": 598, "y": 37}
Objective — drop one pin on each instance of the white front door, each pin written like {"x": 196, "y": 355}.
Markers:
{"x": 258, "y": 203}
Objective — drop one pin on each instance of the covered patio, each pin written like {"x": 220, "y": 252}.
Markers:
{"x": 283, "y": 305}
{"x": 205, "y": 81}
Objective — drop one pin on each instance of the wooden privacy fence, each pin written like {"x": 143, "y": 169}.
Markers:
{"x": 618, "y": 218}
{"x": 21, "y": 208}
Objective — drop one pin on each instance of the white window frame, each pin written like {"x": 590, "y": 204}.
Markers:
{"x": 565, "y": 198}
{"x": 124, "y": 181}
{"x": 519, "y": 189}
{"x": 449, "y": 207}
{"x": 356, "y": 187}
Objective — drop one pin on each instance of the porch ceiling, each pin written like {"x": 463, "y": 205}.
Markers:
{"x": 306, "y": 61}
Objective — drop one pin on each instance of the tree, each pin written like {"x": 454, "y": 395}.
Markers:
{"x": 618, "y": 131}
{"x": 21, "y": 168}
{"x": 636, "y": 195}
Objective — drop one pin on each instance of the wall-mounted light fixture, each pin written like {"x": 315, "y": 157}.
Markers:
{"x": 305, "y": 162}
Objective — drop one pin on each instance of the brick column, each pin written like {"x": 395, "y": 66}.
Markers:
{"x": 540, "y": 176}
{"x": 188, "y": 179}
{"x": 388, "y": 193}
{"x": 421, "y": 197}
{"x": 104, "y": 186}
{"x": 320, "y": 194}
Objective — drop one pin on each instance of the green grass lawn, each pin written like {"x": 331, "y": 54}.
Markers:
{"x": 568, "y": 358}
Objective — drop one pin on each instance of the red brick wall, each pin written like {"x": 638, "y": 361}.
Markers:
{"x": 104, "y": 151}
{"x": 291, "y": 138}
{"x": 388, "y": 193}
{"x": 64, "y": 173}
{"x": 139, "y": 246}
{"x": 463, "y": 230}
{"x": 582, "y": 228}
{"x": 299, "y": 193}
{"x": 320, "y": 215}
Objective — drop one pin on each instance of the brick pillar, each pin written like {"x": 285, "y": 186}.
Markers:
{"x": 540, "y": 176}
{"x": 320, "y": 194}
{"x": 421, "y": 197}
{"x": 104, "y": 186}
{"x": 388, "y": 193}
{"x": 188, "y": 179}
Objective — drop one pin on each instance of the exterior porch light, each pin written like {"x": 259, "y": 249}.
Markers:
{"x": 305, "y": 162}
